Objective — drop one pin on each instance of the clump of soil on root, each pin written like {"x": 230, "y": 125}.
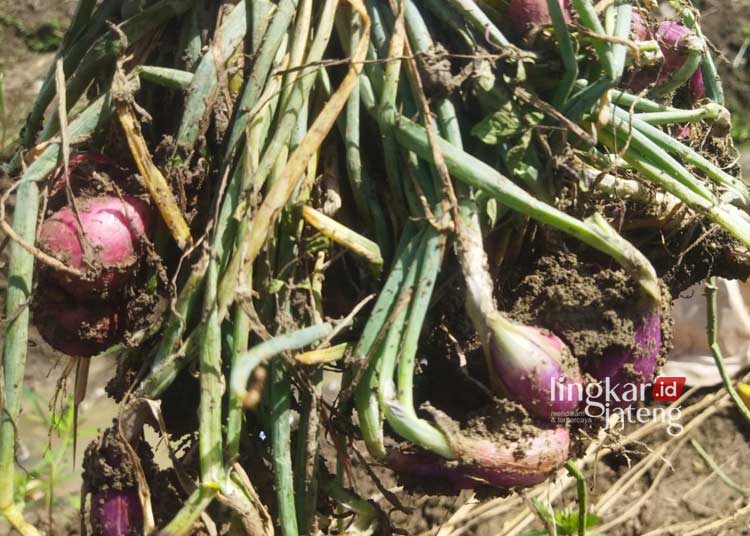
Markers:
{"x": 589, "y": 307}
{"x": 503, "y": 421}
{"x": 696, "y": 253}
{"x": 107, "y": 465}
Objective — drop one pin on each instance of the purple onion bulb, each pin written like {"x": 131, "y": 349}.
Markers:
{"x": 674, "y": 40}
{"x": 638, "y": 28}
{"x": 535, "y": 368}
{"x": 483, "y": 462}
{"x": 116, "y": 513}
{"x": 528, "y": 14}
{"x": 625, "y": 368}
{"x": 696, "y": 86}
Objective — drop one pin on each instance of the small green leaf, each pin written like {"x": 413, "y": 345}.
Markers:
{"x": 515, "y": 155}
{"x": 317, "y": 242}
{"x": 509, "y": 120}
{"x": 543, "y": 510}
{"x": 484, "y": 77}
{"x": 503, "y": 123}
{"x": 567, "y": 522}
{"x": 305, "y": 284}
{"x": 490, "y": 210}
{"x": 275, "y": 286}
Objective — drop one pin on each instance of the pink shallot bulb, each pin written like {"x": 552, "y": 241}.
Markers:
{"x": 520, "y": 463}
{"x": 111, "y": 228}
{"x": 528, "y": 14}
{"x": 534, "y": 367}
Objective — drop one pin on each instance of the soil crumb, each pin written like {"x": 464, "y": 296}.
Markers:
{"x": 589, "y": 307}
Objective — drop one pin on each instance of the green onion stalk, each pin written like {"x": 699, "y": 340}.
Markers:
{"x": 205, "y": 80}
{"x": 376, "y": 391}
{"x": 400, "y": 347}
{"x": 289, "y": 482}
{"x": 646, "y": 134}
{"x": 190, "y": 41}
{"x": 85, "y": 27}
{"x": 469, "y": 11}
{"x": 244, "y": 365}
{"x": 20, "y": 280}
{"x": 293, "y": 106}
{"x": 593, "y": 231}
{"x": 209, "y": 347}
{"x": 211, "y": 440}
{"x": 360, "y": 180}
{"x": 107, "y": 49}
{"x": 257, "y": 131}
{"x": 474, "y": 173}
{"x": 590, "y": 20}
{"x": 365, "y": 379}
{"x": 377, "y": 396}
{"x": 655, "y": 164}
{"x": 292, "y": 118}
{"x": 18, "y": 296}
{"x": 567, "y": 52}
{"x": 184, "y": 521}
{"x": 209, "y": 432}
{"x": 227, "y": 229}
{"x": 306, "y": 458}
{"x": 256, "y": 80}
{"x": 710, "y": 111}
{"x": 368, "y": 520}
{"x": 501, "y": 338}
{"x": 230, "y": 276}
{"x": 280, "y": 409}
